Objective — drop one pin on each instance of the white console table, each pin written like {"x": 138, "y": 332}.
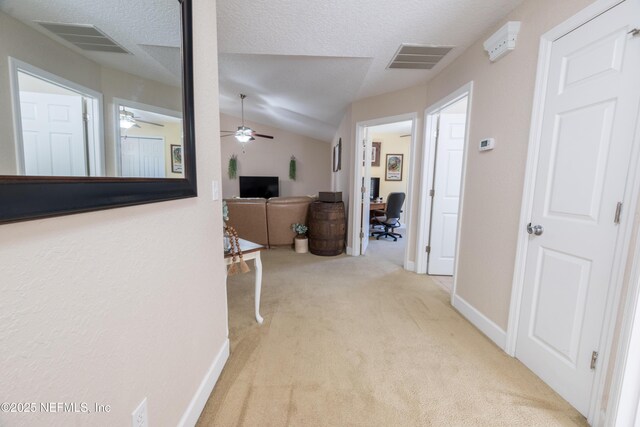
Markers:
{"x": 251, "y": 251}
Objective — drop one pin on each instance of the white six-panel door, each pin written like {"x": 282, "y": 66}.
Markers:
{"x": 53, "y": 140}
{"x": 590, "y": 114}
{"x": 446, "y": 198}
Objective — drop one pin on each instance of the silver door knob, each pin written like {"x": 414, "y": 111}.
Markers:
{"x": 535, "y": 229}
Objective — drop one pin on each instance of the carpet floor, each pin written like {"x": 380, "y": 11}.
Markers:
{"x": 360, "y": 342}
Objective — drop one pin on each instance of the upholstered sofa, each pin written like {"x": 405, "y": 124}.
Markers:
{"x": 268, "y": 221}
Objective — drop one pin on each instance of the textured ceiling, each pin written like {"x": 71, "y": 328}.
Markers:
{"x": 149, "y": 29}
{"x": 304, "y": 43}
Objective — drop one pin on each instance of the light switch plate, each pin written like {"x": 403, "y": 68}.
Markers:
{"x": 215, "y": 190}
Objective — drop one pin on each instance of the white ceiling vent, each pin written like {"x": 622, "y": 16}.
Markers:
{"x": 416, "y": 57}
{"x": 86, "y": 37}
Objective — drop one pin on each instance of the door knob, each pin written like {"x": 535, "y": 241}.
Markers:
{"x": 535, "y": 229}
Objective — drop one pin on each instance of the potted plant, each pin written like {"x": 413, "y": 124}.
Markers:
{"x": 301, "y": 241}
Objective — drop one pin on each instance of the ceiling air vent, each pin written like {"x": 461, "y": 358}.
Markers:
{"x": 416, "y": 57}
{"x": 86, "y": 37}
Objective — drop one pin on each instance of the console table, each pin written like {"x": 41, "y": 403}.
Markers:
{"x": 251, "y": 251}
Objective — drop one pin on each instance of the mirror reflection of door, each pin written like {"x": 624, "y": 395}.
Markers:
{"x": 55, "y": 129}
{"x": 151, "y": 141}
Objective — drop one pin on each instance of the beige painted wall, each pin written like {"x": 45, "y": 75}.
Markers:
{"x": 393, "y": 144}
{"x": 26, "y": 44}
{"x": 502, "y": 104}
{"x": 340, "y": 179}
{"x": 266, "y": 157}
{"x": 116, "y": 305}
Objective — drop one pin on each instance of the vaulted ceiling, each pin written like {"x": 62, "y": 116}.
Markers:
{"x": 302, "y": 63}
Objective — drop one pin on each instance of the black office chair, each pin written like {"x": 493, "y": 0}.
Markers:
{"x": 390, "y": 218}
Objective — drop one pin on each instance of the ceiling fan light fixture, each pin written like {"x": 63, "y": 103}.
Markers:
{"x": 126, "y": 124}
{"x": 243, "y": 134}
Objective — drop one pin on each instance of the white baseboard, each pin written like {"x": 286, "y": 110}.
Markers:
{"x": 480, "y": 321}
{"x": 349, "y": 250}
{"x": 196, "y": 405}
{"x": 410, "y": 265}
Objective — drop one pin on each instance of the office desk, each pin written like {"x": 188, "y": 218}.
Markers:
{"x": 251, "y": 251}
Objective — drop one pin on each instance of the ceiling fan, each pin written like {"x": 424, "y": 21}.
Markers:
{"x": 244, "y": 134}
{"x": 128, "y": 120}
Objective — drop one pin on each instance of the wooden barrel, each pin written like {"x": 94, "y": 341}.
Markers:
{"x": 327, "y": 228}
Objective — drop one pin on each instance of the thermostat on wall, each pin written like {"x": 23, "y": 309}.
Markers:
{"x": 487, "y": 144}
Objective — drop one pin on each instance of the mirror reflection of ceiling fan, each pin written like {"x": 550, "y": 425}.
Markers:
{"x": 243, "y": 134}
{"x": 128, "y": 120}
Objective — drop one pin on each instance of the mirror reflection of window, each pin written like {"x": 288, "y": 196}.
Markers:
{"x": 150, "y": 143}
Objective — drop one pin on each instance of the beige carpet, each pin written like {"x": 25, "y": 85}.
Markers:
{"x": 360, "y": 342}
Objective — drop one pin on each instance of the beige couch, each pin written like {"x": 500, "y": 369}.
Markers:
{"x": 268, "y": 222}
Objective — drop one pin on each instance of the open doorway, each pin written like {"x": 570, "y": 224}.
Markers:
{"x": 444, "y": 159}
{"x": 384, "y": 170}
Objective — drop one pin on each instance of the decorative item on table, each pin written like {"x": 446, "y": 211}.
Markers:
{"x": 292, "y": 168}
{"x": 301, "y": 242}
{"x": 233, "y": 167}
{"x": 236, "y": 253}
{"x": 225, "y": 237}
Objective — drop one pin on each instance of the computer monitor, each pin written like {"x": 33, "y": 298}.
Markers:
{"x": 374, "y": 190}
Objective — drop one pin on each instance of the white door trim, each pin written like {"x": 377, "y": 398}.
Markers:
{"x": 355, "y": 212}
{"x": 630, "y": 202}
{"x": 428, "y": 160}
{"x": 95, "y": 134}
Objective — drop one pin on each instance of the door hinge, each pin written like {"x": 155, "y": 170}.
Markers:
{"x": 616, "y": 218}
{"x": 432, "y": 192}
{"x": 363, "y": 189}
{"x": 594, "y": 360}
{"x": 362, "y": 234}
{"x": 85, "y": 117}
{"x": 428, "y": 249}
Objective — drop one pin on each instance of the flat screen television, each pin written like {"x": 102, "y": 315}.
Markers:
{"x": 259, "y": 186}
{"x": 374, "y": 190}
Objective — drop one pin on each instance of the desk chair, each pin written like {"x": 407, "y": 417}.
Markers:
{"x": 390, "y": 218}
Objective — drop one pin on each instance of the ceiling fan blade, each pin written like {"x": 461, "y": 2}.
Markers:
{"x": 149, "y": 123}
{"x": 228, "y": 131}
{"x": 224, "y": 136}
{"x": 404, "y": 136}
{"x": 262, "y": 136}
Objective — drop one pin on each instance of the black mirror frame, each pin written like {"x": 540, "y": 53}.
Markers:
{"x": 25, "y": 198}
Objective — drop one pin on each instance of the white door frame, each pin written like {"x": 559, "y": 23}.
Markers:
{"x": 632, "y": 188}
{"x": 117, "y": 103}
{"x": 95, "y": 134}
{"x": 356, "y": 208}
{"x": 428, "y": 165}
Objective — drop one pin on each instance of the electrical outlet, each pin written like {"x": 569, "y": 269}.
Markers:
{"x": 140, "y": 417}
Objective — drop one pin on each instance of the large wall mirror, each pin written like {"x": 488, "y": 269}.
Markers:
{"x": 96, "y": 105}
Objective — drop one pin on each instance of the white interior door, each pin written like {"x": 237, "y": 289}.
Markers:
{"x": 53, "y": 140}
{"x": 366, "y": 189}
{"x": 590, "y": 113}
{"x": 143, "y": 157}
{"x": 446, "y": 193}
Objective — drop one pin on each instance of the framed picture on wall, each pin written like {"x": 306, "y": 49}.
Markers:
{"x": 376, "y": 153}
{"x": 393, "y": 170}
{"x": 176, "y": 158}
{"x": 337, "y": 156}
